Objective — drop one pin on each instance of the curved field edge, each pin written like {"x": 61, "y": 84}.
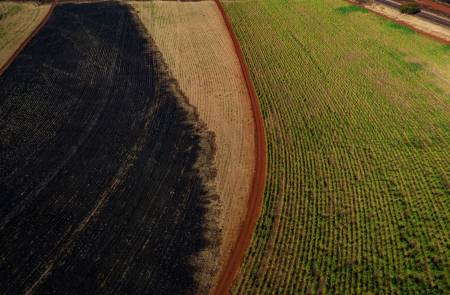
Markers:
{"x": 19, "y": 24}
{"x": 196, "y": 45}
{"x": 117, "y": 191}
{"x": 356, "y": 110}
{"x": 230, "y": 270}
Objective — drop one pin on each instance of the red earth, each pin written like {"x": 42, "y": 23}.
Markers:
{"x": 232, "y": 266}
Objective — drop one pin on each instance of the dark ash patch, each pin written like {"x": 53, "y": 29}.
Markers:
{"x": 105, "y": 170}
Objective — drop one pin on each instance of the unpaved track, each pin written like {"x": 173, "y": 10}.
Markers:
{"x": 255, "y": 201}
{"x": 7, "y": 63}
{"x": 199, "y": 50}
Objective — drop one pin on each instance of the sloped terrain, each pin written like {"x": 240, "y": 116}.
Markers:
{"x": 105, "y": 171}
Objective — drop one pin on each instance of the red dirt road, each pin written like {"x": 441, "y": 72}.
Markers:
{"x": 28, "y": 39}
{"x": 236, "y": 258}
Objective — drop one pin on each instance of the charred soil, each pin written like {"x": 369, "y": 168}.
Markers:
{"x": 105, "y": 170}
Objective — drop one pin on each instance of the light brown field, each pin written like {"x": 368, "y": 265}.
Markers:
{"x": 19, "y": 21}
{"x": 196, "y": 45}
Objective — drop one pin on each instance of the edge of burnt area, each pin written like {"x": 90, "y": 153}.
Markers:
{"x": 198, "y": 261}
{"x": 204, "y": 262}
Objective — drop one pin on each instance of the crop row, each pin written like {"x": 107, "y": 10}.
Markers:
{"x": 356, "y": 113}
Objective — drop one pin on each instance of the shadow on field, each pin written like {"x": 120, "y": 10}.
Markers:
{"x": 105, "y": 170}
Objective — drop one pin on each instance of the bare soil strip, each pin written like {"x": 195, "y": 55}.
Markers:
{"x": 106, "y": 173}
{"x": 201, "y": 54}
{"x": 236, "y": 258}
{"x": 20, "y": 28}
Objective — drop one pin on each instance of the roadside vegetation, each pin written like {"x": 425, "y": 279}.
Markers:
{"x": 357, "y": 114}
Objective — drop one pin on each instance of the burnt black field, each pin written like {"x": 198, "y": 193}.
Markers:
{"x": 98, "y": 189}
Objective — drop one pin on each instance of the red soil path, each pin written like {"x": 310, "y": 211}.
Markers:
{"x": 237, "y": 255}
{"x": 28, "y": 39}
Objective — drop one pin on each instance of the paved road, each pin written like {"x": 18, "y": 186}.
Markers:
{"x": 423, "y": 14}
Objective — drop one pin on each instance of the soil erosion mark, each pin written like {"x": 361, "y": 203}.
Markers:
{"x": 255, "y": 201}
{"x": 105, "y": 170}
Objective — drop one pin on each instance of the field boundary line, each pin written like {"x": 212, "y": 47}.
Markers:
{"x": 19, "y": 49}
{"x": 255, "y": 201}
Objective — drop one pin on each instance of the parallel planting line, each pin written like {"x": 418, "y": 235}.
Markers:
{"x": 356, "y": 111}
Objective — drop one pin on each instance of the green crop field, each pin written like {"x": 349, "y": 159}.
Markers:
{"x": 357, "y": 116}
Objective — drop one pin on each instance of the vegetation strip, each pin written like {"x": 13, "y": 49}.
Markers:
{"x": 255, "y": 201}
{"x": 28, "y": 39}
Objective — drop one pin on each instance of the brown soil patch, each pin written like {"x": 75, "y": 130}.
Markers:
{"x": 18, "y": 23}
{"x": 197, "y": 47}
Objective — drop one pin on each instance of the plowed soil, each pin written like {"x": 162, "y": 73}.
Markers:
{"x": 105, "y": 171}
{"x": 194, "y": 41}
